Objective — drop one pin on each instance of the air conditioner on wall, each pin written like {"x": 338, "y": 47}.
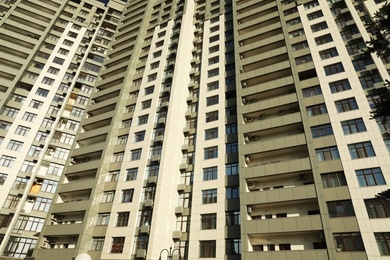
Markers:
{"x": 249, "y": 209}
{"x": 247, "y": 159}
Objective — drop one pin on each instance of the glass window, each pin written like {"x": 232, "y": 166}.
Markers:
{"x": 208, "y": 221}
{"x": 383, "y": 242}
{"x": 207, "y": 248}
{"x": 321, "y": 130}
{"x": 209, "y": 196}
{"x": 316, "y": 110}
{"x": 123, "y": 219}
{"x": 103, "y": 219}
{"x": 329, "y": 53}
{"x": 135, "y": 154}
{"x": 328, "y": 153}
{"x": 131, "y": 174}
{"x": 127, "y": 195}
{"x": 361, "y": 150}
{"x": 348, "y": 242}
{"x": 232, "y": 169}
{"x": 353, "y": 126}
{"x": 212, "y": 100}
{"x": 211, "y": 133}
{"x": 312, "y": 91}
{"x": 97, "y": 243}
{"x": 377, "y": 208}
{"x": 323, "y": 39}
{"x": 334, "y": 68}
{"x": 333, "y": 179}
{"x": 210, "y": 173}
{"x": 211, "y": 152}
{"x": 370, "y": 177}
{"x": 117, "y": 244}
{"x": 343, "y": 208}
{"x": 339, "y": 86}
{"x": 211, "y": 116}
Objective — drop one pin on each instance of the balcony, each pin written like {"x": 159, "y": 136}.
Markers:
{"x": 75, "y": 205}
{"x": 64, "y": 229}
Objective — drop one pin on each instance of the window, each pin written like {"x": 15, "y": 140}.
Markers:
{"x": 117, "y": 244}
{"x": 312, "y": 91}
{"x": 334, "y": 68}
{"x": 7, "y": 161}
{"x": 212, "y": 100}
{"x": 233, "y": 218}
{"x": 213, "y": 60}
{"x": 49, "y": 186}
{"x": 67, "y": 138}
{"x": 42, "y": 92}
{"x": 157, "y": 54}
{"x": 329, "y": 53}
{"x": 231, "y": 148}
{"x": 20, "y": 183}
{"x": 303, "y": 59}
{"x": 211, "y": 133}
{"x": 323, "y": 39}
{"x": 377, "y": 208}
{"x": 208, "y": 221}
{"x": 42, "y": 204}
{"x": 296, "y": 33}
{"x": 19, "y": 247}
{"x": 11, "y": 112}
{"x": 209, "y": 196}
{"x": 152, "y": 77}
{"x": 333, "y": 179}
{"x": 34, "y": 150}
{"x": 300, "y": 46}
{"x": 355, "y": 48}
{"x": 210, "y": 152}
{"x": 63, "y": 51}
{"x": 348, "y": 242}
{"x": 3, "y": 177}
{"x": 212, "y": 86}
{"x": 29, "y": 224}
{"x": 5, "y": 125}
{"x": 131, "y": 174}
{"x": 47, "y": 122}
{"x": 139, "y": 136}
{"x": 316, "y": 110}
{"x": 58, "y": 60}
{"x": 141, "y": 242}
{"x": 315, "y": 15}
{"x": 368, "y": 81}
{"x": 353, "y": 126}
{"x": 319, "y": 27}
{"x": 117, "y": 157}
{"x": 11, "y": 202}
{"x": 127, "y": 195}
{"x": 14, "y": 145}
{"x": 82, "y": 100}
{"x": 149, "y": 90}
{"x": 55, "y": 169}
{"x": 61, "y": 153}
{"x": 232, "y": 192}
{"x": 210, "y": 173}
{"x": 321, "y": 130}
{"x": 108, "y": 196}
{"x": 97, "y": 243}
{"x": 342, "y": 208}
{"x": 103, "y": 219}
{"x": 77, "y": 112}
{"x": 207, "y": 248}
{"x": 214, "y": 39}
{"x": 339, "y": 86}
{"x": 72, "y": 125}
{"x": 123, "y": 219}
{"x": 146, "y": 104}
{"x": 362, "y": 63}
{"x": 328, "y": 153}
{"x": 232, "y": 169}
{"x": 370, "y": 177}
{"x": 311, "y": 4}
{"x": 361, "y": 150}
{"x": 22, "y": 130}
{"x": 383, "y": 242}
{"x": 211, "y": 116}
{"x": 213, "y": 72}
{"x": 135, "y": 154}
{"x": 143, "y": 119}
{"x": 53, "y": 70}
{"x": 18, "y": 98}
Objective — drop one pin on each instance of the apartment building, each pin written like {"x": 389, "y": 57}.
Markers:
{"x": 225, "y": 129}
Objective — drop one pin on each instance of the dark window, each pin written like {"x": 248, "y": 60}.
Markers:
{"x": 232, "y": 169}
{"x": 233, "y": 218}
{"x": 334, "y": 68}
{"x": 209, "y": 196}
{"x": 211, "y": 116}
{"x": 368, "y": 81}
{"x": 123, "y": 219}
{"x": 353, "y": 126}
{"x": 211, "y": 133}
{"x": 370, "y": 177}
{"x": 315, "y": 15}
{"x": 319, "y": 27}
{"x": 210, "y": 173}
{"x": 377, "y": 208}
{"x": 316, "y": 110}
{"x": 284, "y": 246}
{"x": 131, "y": 174}
{"x": 233, "y": 246}
{"x": 135, "y": 154}
{"x": 127, "y": 195}
{"x": 321, "y": 130}
{"x": 361, "y": 150}
{"x": 207, "y": 248}
{"x": 346, "y": 105}
{"x": 340, "y": 208}
{"x": 209, "y": 221}
{"x": 328, "y": 153}
{"x": 333, "y": 179}
{"x": 232, "y": 192}
{"x": 348, "y": 242}
{"x": 212, "y": 100}
{"x": 329, "y": 53}
{"x": 117, "y": 244}
{"x": 339, "y": 86}
{"x": 383, "y": 242}
{"x": 231, "y": 148}
{"x": 323, "y": 39}
{"x": 211, "y": 152}
{"x": 312, "y": 91}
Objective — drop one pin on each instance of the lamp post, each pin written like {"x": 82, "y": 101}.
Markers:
{"x": 170, "y": 253}
{"x": 83, "y": 256}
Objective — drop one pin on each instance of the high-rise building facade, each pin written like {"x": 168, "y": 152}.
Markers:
{"x": 225, "y": 129}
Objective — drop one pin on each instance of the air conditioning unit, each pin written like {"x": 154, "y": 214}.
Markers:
{"x": 45, "y": 245}
{"x": 246, "y": 139}
{"x": 281, "y": 112}
{"x": 261, "y": 117}
{"x": 247, "y": 159}
{"x": 244, "y": 101}
{"x": 241, "y": 44}
{"x": 251, "y": 185}
{"x": 249, "y": 209}
{"x": 241, "y": 69}
{"x": 244, "y": 84}
{"x": 241, "y": 57}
